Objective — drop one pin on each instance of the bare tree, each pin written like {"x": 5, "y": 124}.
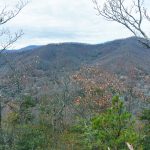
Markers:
{"x": 131, "y": 15}
{"x": 6, "y": 37}
{"x": 6, "y": 14}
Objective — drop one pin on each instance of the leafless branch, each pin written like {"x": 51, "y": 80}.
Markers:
{"x": 7, "y": 14}
{"x": 146, "y": 15}
{"x": 10, "y": 39}
{"x": 131, "y": 18}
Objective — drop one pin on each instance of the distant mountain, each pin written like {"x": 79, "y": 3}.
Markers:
{"x": 43, "y": 62}
{"x": 30, "y": 47}
{"x": 118, "y": 56}
{"x": 38, "y": 68}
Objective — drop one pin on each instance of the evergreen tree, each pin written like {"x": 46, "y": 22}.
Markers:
{"x": 111, "y": 129}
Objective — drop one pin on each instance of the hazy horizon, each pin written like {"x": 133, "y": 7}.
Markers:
{"x": 72, "y": 43}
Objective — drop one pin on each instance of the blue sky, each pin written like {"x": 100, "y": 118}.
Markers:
{"x": 52, "y": 21}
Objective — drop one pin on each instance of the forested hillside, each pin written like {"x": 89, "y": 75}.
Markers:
{"x": 57, "y": 91}
{"x": 70, "y": 80}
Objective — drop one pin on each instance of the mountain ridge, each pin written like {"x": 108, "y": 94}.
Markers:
{"x": 110, "y": 55}
{"x": 46, "y": 64}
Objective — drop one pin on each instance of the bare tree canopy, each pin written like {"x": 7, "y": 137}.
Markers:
{"x": 6, "y": 37}
{"x": 7, "y": 13}
{"x": 131, "y": 16}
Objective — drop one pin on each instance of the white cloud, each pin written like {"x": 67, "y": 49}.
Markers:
{"x": 46, "y": 21}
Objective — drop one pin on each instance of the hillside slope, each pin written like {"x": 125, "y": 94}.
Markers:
{"x": 117, "y": 56}
{"x": 39, "y": 67}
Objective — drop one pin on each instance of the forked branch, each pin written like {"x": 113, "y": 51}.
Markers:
{"x": 131, "y": 17}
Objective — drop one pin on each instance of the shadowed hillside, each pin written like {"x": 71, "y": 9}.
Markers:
{"x": 39, "y": 65}
{"x": 116, "y": 56}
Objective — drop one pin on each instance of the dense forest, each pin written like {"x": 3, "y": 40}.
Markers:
{"x": 76, "y": 96}
{"x": 86, "y": 104}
